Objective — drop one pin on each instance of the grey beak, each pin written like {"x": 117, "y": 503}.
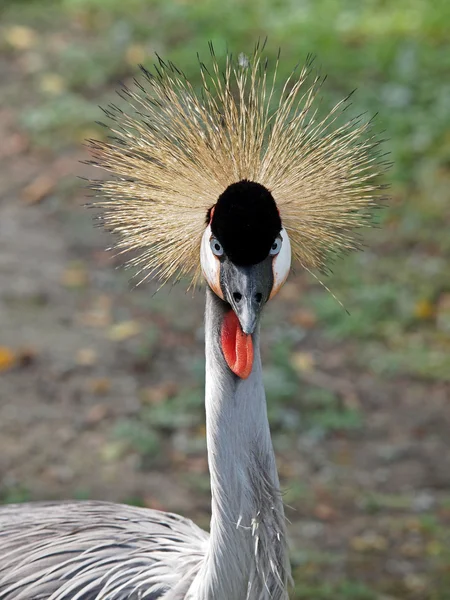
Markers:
{"x": 247, "y": 313}
{"x": 246, "y": 289}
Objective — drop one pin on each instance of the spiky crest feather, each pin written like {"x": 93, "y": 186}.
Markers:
{"x": 173, "y": 152}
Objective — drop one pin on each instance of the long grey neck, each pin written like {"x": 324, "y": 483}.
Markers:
{"x": 247, "y": 555}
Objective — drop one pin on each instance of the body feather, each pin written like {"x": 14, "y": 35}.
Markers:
{"x": 96, "y": 551}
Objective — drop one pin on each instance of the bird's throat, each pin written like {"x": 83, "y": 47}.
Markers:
{"x": 237, "y": 347}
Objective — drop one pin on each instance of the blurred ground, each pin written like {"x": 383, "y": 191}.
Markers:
{"x": 101, "y": 384}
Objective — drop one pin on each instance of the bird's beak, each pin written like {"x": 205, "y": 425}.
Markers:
{"x": 247, "y": 313}
{"x": 246, "y": 289}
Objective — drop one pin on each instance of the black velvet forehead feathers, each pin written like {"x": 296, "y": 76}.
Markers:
{"x": 246, "y": 222}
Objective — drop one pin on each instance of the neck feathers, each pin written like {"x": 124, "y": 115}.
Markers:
{"x": 247, "y": 556}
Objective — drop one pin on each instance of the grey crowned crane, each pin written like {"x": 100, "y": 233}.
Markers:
{"x": 227, "y": 184}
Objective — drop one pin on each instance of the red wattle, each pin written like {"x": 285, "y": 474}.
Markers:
{"x": 237, "y": 347}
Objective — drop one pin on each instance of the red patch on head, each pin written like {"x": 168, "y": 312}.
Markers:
{"x": 210, "y": 214}
{"x": 237, "y": 347}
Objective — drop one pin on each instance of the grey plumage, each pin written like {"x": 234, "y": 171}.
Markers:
{"x": 96, "y": 550}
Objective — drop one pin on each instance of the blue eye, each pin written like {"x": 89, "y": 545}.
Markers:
{"x": 216, "y": 246}
{"x": 276, "y": 247}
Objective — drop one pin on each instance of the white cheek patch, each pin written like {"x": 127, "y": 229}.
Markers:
{"x": 210, "y": 263}
{"x": 281, "y": 263}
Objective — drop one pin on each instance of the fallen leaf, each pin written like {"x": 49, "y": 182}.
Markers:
{"x": 424, "y": 310}
{"x": 99, "y": 386}
{"x": 201, "y": 430}
{"x": 303, "y": 361}
{"x": 8, "y": 358}
{"x": 124, "y": 330}
{"x": 20, "y": 37}
{"x": 135, "y": 54}
{"x": 52, "y": 84}
{"x": 38, "y": 189}
{"x": 86, "y": 357}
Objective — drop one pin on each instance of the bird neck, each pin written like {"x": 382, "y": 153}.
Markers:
{"x": 247, "y": 555}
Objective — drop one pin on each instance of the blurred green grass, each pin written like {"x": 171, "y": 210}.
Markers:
{"x": 397, "y": 55}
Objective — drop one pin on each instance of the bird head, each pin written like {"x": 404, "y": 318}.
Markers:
{"x": 245, "y": 252}
{"x": 272, "y": 178}
{"x": 245, "y": 256}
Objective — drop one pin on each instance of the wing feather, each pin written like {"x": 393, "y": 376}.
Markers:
{"x": 95, "y": 551}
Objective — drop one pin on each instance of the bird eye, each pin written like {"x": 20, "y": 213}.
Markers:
{"x": 216, "y": 246}
{"x": 276, "y": 247}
